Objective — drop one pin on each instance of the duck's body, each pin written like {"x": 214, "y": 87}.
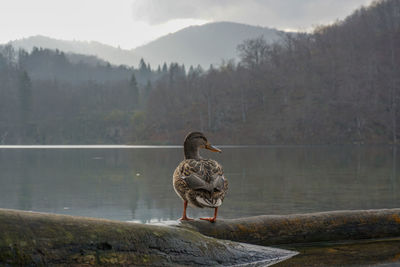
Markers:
{"x": 199, "y": 182}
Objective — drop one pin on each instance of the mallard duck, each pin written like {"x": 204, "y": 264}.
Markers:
{"x": 199, "y": 182}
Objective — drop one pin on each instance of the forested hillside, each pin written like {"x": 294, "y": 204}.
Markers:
{"x": 203, "y": 45}
{"x": 339, "y": 84}
{"x": 109, "y": 53}
{"x": 206, "y": 44}
{"x": 47, "y": 99}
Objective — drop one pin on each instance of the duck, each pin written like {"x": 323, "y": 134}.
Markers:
{"x": 197, "y": 181}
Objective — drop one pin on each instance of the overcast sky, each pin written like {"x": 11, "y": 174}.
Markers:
{"x": 129, "y": 23}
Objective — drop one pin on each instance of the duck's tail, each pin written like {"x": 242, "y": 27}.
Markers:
{"x": 211, "y": 203}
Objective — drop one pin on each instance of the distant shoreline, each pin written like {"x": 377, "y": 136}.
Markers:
{"x": 171, "y": 146}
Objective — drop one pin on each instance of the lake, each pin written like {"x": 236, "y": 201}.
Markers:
{"x": 135, "y": 183}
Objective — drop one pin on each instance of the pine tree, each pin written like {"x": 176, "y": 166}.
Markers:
{"x": 25, "y": 101}
{"x": 134, "y": 91}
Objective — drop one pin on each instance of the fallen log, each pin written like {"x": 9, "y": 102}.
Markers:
{"x": 30, "y": 238}
{"x": 46, "y": 239}
{"x": 304, "y": 228}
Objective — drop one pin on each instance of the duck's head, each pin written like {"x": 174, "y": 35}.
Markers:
{"x": 193, "y": 142}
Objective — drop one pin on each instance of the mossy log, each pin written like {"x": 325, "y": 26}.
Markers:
{"x": 304, "y": 228}
{"x": 41, "y": 239}
{"x": 48, "y": 239}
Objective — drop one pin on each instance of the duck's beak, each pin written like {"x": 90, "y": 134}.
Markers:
{"x": 212, "y": 148}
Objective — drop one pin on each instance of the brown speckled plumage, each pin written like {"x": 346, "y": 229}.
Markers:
{"x": 207, "y": 169}
{"x": 199, "y": 182}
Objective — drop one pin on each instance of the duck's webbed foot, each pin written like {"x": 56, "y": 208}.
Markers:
{"x": 213, "y": 219}
{"x": 209, "y": 219}
{"x": 184, "y": 217}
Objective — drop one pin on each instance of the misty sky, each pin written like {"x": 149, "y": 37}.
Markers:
{"x": 130, "y": 23}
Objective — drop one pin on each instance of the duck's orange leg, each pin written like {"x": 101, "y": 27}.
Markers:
{"x": 213, "y": 219}
{"x": 184, "y": 217}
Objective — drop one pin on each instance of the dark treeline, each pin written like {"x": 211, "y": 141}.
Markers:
{"x": 339, "y": 84}
{"x": 48, "y": 98}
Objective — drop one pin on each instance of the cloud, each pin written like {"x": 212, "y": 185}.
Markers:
{"x": 299, "y": 14}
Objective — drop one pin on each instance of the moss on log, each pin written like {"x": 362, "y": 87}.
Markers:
{"x": 48, "y": 239}
{"x": 30, "y": 238}
{"x": 304, "y": 228}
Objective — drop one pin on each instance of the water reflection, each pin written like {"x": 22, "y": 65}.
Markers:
{"x": 136, "y": 183}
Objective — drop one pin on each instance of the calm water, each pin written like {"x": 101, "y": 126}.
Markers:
{"x": 135, "y": 184}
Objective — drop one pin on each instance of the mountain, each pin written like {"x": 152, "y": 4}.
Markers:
{"x": 109, "y": 53}
{"x": 336, "y": 85}
{"x": 339, "y": 84}
{"x": 206, "y": 44}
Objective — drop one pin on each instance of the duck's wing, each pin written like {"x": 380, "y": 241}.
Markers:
{"x": 196, "y": 182}
{"x": 218, "y": 182}
{"x": 206, "y": 175}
